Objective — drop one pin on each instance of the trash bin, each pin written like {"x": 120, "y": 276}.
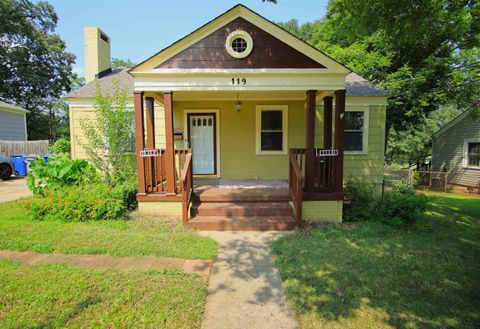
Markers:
{"x": 45, "y": 157}
{"x": 19, "y": 164}
{"x": 29, "y": 159}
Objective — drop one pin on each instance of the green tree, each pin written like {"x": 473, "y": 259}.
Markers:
{"x": 118, "y": 62}
{"x": 108, "y": 136}
{"x": 35, "y": 69}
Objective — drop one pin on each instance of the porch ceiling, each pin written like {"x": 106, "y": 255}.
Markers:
{"x": 222, "y": 95}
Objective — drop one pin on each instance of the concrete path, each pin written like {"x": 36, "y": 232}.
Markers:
{"x": 245, "y": 289}
{"x": 128, "y": 263}
{"x": 13, "y": 189}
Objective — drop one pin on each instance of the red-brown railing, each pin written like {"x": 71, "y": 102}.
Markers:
{"x": 154, "y": 164}
{"x": 295, "y": 184}
{"x": 323, "y": 168}
{"x": 186, "y": 184}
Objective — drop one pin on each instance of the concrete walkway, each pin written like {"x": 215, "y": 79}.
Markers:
{"x": 128, "y": 263}
{"x": 245, "y": 289}
{"x": 13, "y": 189}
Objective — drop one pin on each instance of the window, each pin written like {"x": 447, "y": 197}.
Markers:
{"x": 355, "y": 136}
{"x": 271, "y": 129}
{"x": 472, "y": 153}
{"x": 239, "y": 44}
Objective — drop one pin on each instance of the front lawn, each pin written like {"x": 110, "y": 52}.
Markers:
{"x": 141, "y": 236}
{"x": 58, "y": 296}
{"x": 369, "y": 275}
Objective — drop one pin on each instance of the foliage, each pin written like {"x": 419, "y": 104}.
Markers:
{"x": 139, "y": 236}
{"x": 77, "y": 203}
{"x": 127, "y": 192}
{"x": 61, "y": 146}
{"x": 412, "y": 144}
{"x": 398, "y": 208}
{"x": 122, "y": 63}
{"x": 28, "y": 44}
{"x": 60, "y": 171}
{"x": 369, "y": 275}
{"x": 403, "y": 187}
{"x": 59, "y": 296}
{"x": 424, "y": 55}
{"x": 109, "y": 135}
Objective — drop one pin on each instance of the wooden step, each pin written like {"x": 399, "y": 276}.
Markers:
{"x": 242, "y": 195}
{"x": 240, "y": 223}
{"x": 254, "y": 209}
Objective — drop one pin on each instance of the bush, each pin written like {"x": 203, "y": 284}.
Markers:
{"x": 77, "y": 203}
{"x": 398, "y": 208}
{"x": 61, "y": 146}
{"x": 60, "y": 171}
{"x": 127, "y": 192}
{"x": 403, "y": 187}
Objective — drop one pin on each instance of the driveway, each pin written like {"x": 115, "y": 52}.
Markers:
{"x": 14, "y": 189}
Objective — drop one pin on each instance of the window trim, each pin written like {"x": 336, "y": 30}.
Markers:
{"x": 465, "y": 153}
{"x": 258, "y": 126}
{"x": 239, "y": 34}
{"x": 366, "y": 125}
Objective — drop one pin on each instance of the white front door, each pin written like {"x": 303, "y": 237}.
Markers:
{"x": 202, "y": 142}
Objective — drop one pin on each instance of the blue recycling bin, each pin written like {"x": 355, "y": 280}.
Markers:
{"x": 45, "y": 158}
{"x": 19, "y": 164}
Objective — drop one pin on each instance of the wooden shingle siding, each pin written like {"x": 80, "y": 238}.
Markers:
{"x": 12, "y": 126}
{"x": 447, "y": 153}
{"x": 268, "y": 52}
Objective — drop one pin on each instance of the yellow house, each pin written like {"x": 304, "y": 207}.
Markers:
{"x": 241, "y": 125}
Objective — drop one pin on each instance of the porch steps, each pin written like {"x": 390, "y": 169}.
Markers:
{"x": 241, "y": 210}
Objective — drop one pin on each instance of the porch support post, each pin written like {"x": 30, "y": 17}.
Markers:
{"x": 171, "y": 183}
{"x": 150, "y": 123}
{"x": 339, "y": 137}
{"x": 327, "y": 121}
{"x": 140, "y": 139}
{"x": 310, "y": 141}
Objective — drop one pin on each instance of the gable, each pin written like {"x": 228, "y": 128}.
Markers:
{"x": 267, "y": 52}
{"x": 292, "y": 52}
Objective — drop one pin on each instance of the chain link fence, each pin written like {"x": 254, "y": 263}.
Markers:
{"x": 434, "y": 180}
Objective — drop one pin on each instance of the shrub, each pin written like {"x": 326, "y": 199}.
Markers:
{"x": 403, "y": 187}
{"x": 398, "y": 208}
{"x": 60, "y": 171}
{"x": 127, "y": 192}
{"x": 360, "y": 202}
{"x": 61, "y": 146}
{"x": 77, "y": 203}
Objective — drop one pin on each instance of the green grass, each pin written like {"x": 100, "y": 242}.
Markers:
{"x": 141, "y": 236}
{"x": 367, "y": 275}
{"x": 58, "y": 296}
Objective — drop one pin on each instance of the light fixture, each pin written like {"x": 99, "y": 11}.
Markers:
{"x": 237, "y": 106}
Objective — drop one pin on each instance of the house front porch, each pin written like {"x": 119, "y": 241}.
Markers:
{"x": 247, "y": 187}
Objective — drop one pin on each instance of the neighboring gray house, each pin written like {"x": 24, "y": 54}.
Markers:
{"x": 456, "y": 148}
{"x": 13, "y": 122}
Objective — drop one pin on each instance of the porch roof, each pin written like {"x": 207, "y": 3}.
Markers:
{"x": 355, "y": 85}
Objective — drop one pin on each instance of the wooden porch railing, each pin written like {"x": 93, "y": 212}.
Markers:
{"x": 324, "y": 168}
{"x": 154, "y": 164}
{"x": 186, "y": 184}
{"x": 295, "y": 184}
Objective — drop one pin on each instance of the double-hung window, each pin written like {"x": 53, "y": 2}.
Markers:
{"x": 472, "y": 153}
{"x": 355, "y": 131}
{"x": 271, "y": 129}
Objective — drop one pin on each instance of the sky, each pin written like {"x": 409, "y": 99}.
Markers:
{"x": 140, "y": 28}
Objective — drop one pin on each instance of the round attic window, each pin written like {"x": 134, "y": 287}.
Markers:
{"x": 239, "y": 44}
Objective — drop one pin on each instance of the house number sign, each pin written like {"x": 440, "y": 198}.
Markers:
{"x": 239, "y": 81}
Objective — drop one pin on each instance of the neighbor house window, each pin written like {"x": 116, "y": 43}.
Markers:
{"x": 472, "y": 153}
{"x": 355, "y": 131}
{"x": 271, "y": 134}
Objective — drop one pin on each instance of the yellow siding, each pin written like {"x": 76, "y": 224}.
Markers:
{"x": 322, "y": 211}
{"x": 161, "y": 209}
{"x": 77, "y": 135}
